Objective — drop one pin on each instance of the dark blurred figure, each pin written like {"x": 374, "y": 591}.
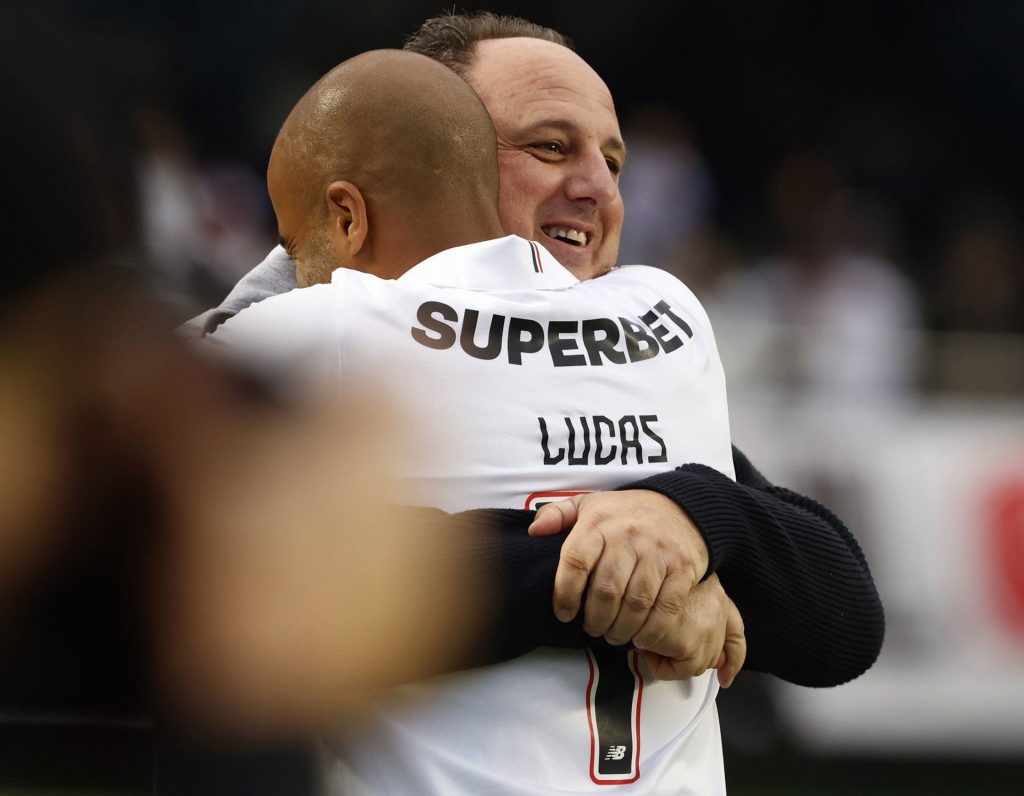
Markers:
{"x": 844, "y": 317}
{"x": 669, "y": 190}
{"x": 109, "y": 480}
{"x": 203, "y": 222}
{"x": 981, "y": 278}
{"x": 57, "y": 204}
{"x": 977, "y": 306}
{"x": 70, "y": 645}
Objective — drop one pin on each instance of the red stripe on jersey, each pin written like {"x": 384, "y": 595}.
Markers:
{"x": 536, "y": 499}
{"x": 590, "y": 715}
{"x": 639, "y": 700}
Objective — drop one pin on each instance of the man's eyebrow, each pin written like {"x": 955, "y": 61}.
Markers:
{"x": 614, "y": 143}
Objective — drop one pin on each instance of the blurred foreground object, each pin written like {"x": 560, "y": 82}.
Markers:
{"x": 293, "y": 587}
{"x": 117, "y": 479}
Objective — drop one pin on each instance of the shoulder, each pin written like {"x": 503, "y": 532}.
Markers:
{"x": 665, "y": 291}
{"x": 647, "y": 276}
{"x": 286, "y": 315}
{"x": 279, "y": 335}
{"x": 274, "y": 276}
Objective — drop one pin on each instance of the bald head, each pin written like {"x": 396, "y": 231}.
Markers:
{"x": 390, "y": 147}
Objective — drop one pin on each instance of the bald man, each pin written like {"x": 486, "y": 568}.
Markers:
{"x": 388, "y": 168}
{"x": 437, "y": 146}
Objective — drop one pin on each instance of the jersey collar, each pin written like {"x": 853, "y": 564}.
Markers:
{"x": 509, "y": 263}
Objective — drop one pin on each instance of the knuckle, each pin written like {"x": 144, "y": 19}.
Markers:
{"x": 648, "y": 638}
{"x": 678, "y": 645}
{"x": 639, "y": 601}
{"x": 606, "y": 591}
{"x": 575, "y": 561}
{"x": 672, "y": 603}
{"x": 678, "y": 559}
{"x": 682, "y": 650}
{"x": 634, "y": 531}
{"x": 599, "y": 517}
{"x": 654, "y": 630}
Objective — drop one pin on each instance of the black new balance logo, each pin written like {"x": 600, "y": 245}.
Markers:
{"x": 615, "y": 753}
{"x": 613, "y": 699}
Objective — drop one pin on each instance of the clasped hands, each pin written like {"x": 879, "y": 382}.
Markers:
{"x": 641, "y": 561}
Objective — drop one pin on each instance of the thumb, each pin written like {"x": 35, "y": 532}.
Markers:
{"x": 554, "y": 517}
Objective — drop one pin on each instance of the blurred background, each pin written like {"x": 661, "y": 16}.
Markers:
{"x": 841, "y": 185}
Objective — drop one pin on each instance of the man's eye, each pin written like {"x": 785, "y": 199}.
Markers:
{"x": 552, "y": 147}
{"x": 614, "y": 166}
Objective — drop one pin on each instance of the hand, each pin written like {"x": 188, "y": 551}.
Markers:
{"x": 708, "y": 635}
{"x": 641, "y": 554}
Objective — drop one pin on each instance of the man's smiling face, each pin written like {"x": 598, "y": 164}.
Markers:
{"x": 559, "y": 150}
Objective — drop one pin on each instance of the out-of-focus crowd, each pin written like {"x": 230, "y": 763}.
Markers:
{"x": 820, "y": 301}
{"x": 824, "y": 272}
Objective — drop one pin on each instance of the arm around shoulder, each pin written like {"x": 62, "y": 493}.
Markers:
{"x": 273, "y": 276}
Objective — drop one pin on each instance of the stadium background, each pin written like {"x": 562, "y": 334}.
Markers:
{"x": 906, "y": 116}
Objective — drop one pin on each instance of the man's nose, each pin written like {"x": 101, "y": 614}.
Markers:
{"x": 590, "y": 179}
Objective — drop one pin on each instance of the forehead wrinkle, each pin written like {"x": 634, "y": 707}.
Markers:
{"x": 575, "y": 77}
{"x": 536, "y": 92}
{"x": 556, "y": 78}
{"x": 534, "y": 69}
{"x": 561, "y": 101}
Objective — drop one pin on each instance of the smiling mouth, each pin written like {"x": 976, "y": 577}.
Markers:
{"x": 573, "y": 237}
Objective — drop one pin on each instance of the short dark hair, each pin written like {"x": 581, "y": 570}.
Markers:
{"x": 452, "y": 38}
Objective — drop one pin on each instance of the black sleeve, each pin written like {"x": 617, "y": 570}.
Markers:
{"x": 798, "y": 577}
{"x": 514, "y": 573}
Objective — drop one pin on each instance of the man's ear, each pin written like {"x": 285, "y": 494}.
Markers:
{"x": 347, "y": 219}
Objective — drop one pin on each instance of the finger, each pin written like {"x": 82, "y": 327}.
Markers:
{"x": 579, "y": 555}
{"x": 666, "y": 614}
{"x": 554, "y": 518}
{"x": 726, "y": 674}
{"x": 735, "y": 648}
{"x": 661, "y": 667}
{"x": 641, "y": 592}
{"x": 658, "y": 667}
{"x": 607, "y": 586}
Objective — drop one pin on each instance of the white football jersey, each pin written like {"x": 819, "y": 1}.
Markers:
{"x": 524, "y": 385}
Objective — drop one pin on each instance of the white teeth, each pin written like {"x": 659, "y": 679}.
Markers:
{"x": 574, "y": 236}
